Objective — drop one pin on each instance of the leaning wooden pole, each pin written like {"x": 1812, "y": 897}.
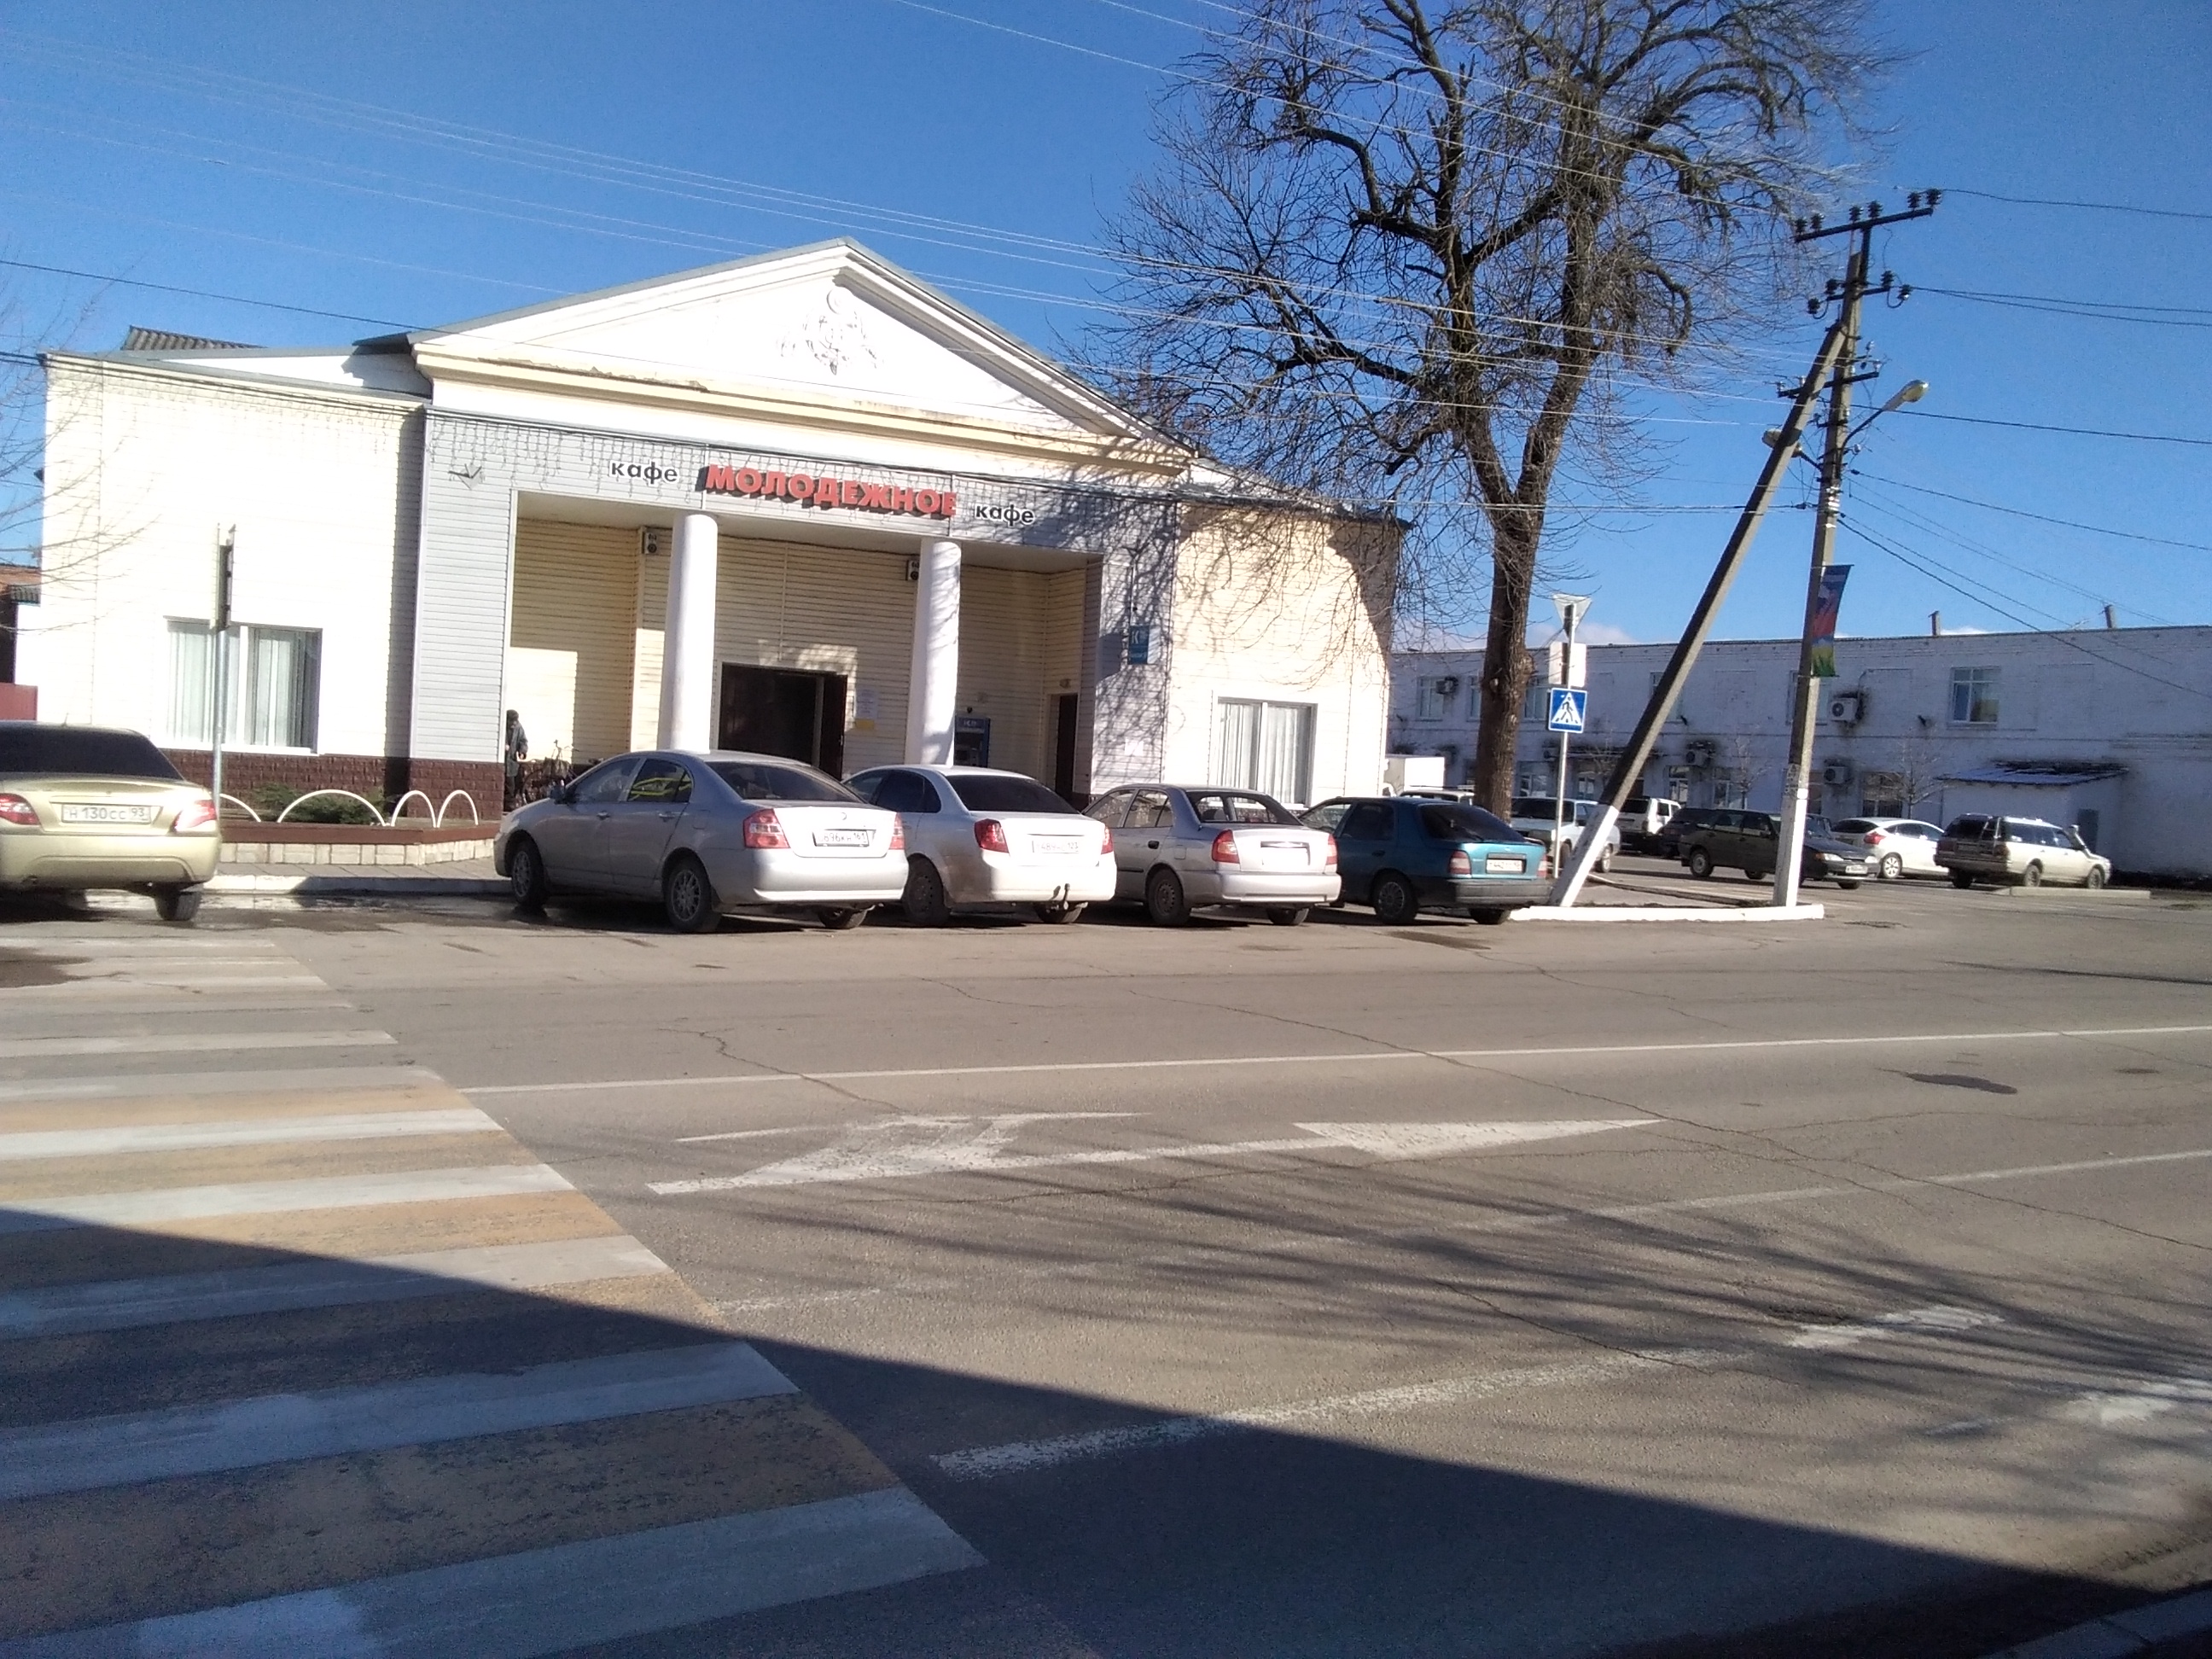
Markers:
{"x": 1664, "y": 695}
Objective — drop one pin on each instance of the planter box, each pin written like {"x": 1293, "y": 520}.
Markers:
{"x": 354, "y": 843}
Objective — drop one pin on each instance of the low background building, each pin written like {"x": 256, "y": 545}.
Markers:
{"x": 802, "y": 503}
{"x": 2109, "y": 729}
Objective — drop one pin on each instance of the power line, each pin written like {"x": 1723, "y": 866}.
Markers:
{"x": 2098, "y": 207}
{"x": 2068, "y": 308}
{"x": 2040, "y": 517}
{"x": 204, "y": 293}
{"x": 2075, "y": 431}
{"x": 2063, "y": 299}
{"x": 2065, "y": 636}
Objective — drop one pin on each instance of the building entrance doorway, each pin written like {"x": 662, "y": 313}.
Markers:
{"x": 1063, "y": 746}
{"x": 784, "y": 711}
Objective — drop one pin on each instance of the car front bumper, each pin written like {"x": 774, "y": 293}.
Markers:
{"x": 43, "y": 859}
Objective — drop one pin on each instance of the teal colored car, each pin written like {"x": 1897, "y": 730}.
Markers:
{"x": 1402, "y": 855}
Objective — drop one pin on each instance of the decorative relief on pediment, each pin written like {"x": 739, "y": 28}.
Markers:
{"x": 836, "y": 337}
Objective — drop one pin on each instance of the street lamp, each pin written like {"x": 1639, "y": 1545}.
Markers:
{"x": 1911, "y": 393}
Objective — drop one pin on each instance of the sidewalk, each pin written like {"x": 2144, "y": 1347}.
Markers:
{"x": 463, "y": 878}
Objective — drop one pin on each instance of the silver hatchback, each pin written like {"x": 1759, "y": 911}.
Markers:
{"x": 706, "y": 833}
{"x": 1183, "y": 848}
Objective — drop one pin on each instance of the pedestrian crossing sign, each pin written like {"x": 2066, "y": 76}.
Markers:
{"x": 1567, "y": 708}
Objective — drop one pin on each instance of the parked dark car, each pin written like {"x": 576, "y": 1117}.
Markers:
{"x": 2020, "y": 852}
{"x": 1749, "y": 841}
{"x": 1402, "y": 855}
{"x": 1666, "y": 842}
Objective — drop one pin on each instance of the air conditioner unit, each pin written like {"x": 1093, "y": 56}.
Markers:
{"x": 1836, "y": 774}
{"x": 1698, "y": 754}
{"x": 1847, "y": 708}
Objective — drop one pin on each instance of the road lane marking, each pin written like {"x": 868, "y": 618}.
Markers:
{"x": 1829, "y": 1339}
{"x": 331, "y": 1079}
{"x": 1363, "y": 1056}
{"x": 151, "y": 1208}
{"x": 1027, "y": 1457}
{"x": 186, "y": 1043}
{"x": 2140, "y": 1404}
{"x": 246, "y": 1132}
{"x": 282, "y": 1428}
{"x": 176, "y": 1299}
{"x": 896, "y": 1148}
{"x": 1853, "y": 1189}
{"x": 551, "y": 1600}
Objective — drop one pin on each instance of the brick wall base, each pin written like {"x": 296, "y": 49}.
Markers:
{"x": 382, "y": 778}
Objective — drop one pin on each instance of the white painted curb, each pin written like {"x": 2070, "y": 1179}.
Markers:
{"x": 1670, "y": 913}
{"x": 2118, "y": 1635}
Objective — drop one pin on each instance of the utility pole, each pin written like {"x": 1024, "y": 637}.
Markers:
{"x": 225, "y": 546}
{"x": 1805, "y": 703}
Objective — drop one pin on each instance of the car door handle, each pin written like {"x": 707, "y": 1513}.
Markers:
{"x": 602, "y": 816}
{"x": 664, "y": 817}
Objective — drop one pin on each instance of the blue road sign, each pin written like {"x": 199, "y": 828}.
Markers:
{"x": 1567, "y": 708}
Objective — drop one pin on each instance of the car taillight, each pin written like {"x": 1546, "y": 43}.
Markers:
{"x": 194, "y": 815}
{"x": 1461, "y": 864}
{"x": 1224, "y": 848}
{"x": 14, "y": 809}
{"x": 764, "y": 829}
{"x": 1105, "y": 841}
{"x": 1874, "y": 837}
{"x": 898, "y": 833}
{"x": 1328, "y": 852}
{"x": 991, "y": 836}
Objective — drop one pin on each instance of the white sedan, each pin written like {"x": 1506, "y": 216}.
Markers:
{"x": 976, "y": 837}
{"x": 1895, "y": 847}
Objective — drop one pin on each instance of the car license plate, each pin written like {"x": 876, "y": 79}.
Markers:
{"x": 85, "y": 813}
{"x": 1283, "y": 852}
{"x": 841, "y": 838}
{"x": 1052, "y": 843}
{"x": 1495, "y": 866}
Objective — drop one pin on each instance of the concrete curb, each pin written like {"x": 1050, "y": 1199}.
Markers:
{"x": 2118, "y": 1635}
{"x": 467, "y": 887}
{"x": 1671, "y": 912}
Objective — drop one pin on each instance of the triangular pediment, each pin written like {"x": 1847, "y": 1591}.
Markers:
{"x": 831, "y": 322}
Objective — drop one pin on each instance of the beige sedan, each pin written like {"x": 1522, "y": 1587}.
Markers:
{"x": 84, "y": 806}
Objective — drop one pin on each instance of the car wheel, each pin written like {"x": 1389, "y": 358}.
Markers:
{"x": 1060, "y": 914}
{"x": 176, "y": 903}
{"x": 1962, "y": 879}
{"x": 1754, "y": 875}
{"x": 1289, "y": 915}
{"x": 839, "y": 919}
{"x": 1605, "y": 862}
{"x": 1489, "y": 918}
{"x": 1164, "y": 900}
{"x": 925, "y": 902}
{"x": 1846, "y": 885}
{"x": 688, "y": 898}
{"x": 2095, "y": 877}
{"x": 525, "y": 871}
{"x": 1892, "y": 866}
{"x": 1394, "y": 899}
{"x": 2032, "y": 876}
{"x": 1700, "y": 862}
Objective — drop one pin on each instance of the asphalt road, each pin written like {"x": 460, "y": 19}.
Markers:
{"x": 1532, "y": 1291}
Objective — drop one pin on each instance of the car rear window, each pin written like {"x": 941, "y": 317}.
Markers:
{"x": 1972, "y": 827}
{"x": 1854, "y": 826}
{"x": 1217, "y": 808}
{"x": 997, "y": 792}
{"x": 29, "y": 751}
{"x": 756, "y": 782}
{"x": 1537, "y": 807}
{"x": 1466, "y": 824}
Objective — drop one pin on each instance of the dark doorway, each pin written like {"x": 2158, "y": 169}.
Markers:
{"x": 1063, "y": 746}
{"x": 784, "y": 711}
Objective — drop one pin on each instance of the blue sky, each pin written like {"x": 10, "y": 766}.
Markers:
{"x": 124, "y": 151}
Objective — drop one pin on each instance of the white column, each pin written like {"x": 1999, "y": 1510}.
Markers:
{"x": 932, "y": 683}
{"x": 687, "y": 650}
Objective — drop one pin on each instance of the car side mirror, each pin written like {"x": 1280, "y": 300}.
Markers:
{"x": 562, "y": 793}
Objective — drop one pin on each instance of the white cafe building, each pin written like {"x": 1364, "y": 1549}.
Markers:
{"x": 802, "y": 503}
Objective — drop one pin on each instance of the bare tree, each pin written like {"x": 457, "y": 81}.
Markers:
{"x": 1411, "y": 252}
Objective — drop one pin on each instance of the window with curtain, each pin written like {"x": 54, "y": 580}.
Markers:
{"x": 1267, "y": 746}
{"x": 273, "y": 686}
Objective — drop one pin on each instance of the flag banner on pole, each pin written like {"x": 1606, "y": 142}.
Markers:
{"x": 1826, "y": 608}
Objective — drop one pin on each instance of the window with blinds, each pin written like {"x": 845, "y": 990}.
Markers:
{"x": 273, "y": 691}
{"x": 1267, "y": 746}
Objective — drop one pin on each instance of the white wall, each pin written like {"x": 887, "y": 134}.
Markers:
{"x": 142, "y": 470}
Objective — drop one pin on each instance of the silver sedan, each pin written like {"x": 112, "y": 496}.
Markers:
{"x": 1182, "y": 847}
{"x": 707, "y": 833}
{"x": 977, "y": 837}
